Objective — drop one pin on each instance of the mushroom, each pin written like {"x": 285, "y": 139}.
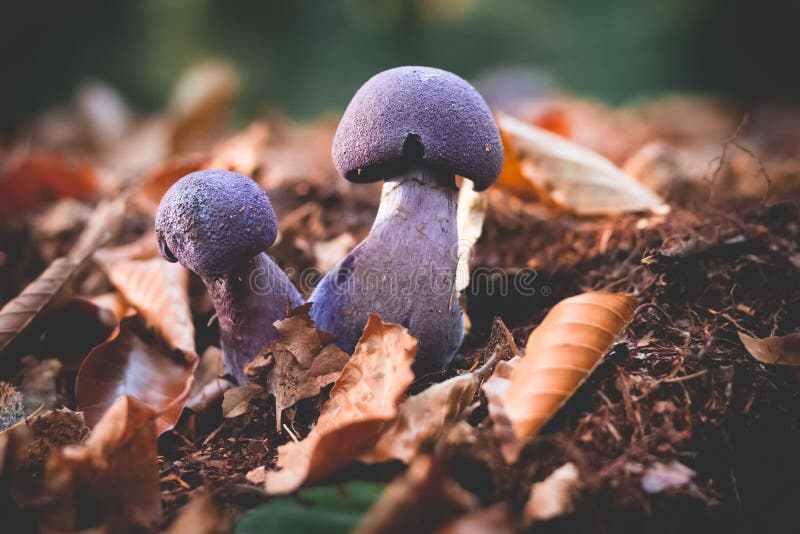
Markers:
{"x": 415, "y": 128}
{"x": 218, "y": 224}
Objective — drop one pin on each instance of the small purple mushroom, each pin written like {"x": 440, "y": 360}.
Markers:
{"x": 218, "y": 224}
{"x": 415, "y": 128}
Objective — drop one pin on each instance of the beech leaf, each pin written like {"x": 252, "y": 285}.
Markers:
{"x": 127, "y": 365}
{"x": 560, "y": 354}
{"x": 573, "y": 176}
{"x": 363, "y": 399}
{"x": 306, "y": 360}
{"x": 775, "y": 350}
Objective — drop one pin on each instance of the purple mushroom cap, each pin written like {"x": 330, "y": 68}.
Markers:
{"x": 214, "y": 221}
{"x": 407, "y": 113}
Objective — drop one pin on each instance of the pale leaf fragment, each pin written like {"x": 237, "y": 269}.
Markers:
{"x": 469, "y": 219}
{"x": 576, "y": 177}
{"x": 553, "y": 496}
{"x": 775, "y": 350}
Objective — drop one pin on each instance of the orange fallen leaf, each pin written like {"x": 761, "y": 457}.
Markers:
{"x": 775, "y": 350}
{"x": 573, "y": 176}
{"x": 127, "y": 365}
{"x": 43, "y": 176}
{"x": 159, "y": 290}
{"x": 560, "y": 354}
{"x": 363, "y": 399}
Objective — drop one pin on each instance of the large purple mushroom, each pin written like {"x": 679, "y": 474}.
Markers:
{"x": 218, "y": 224}
{"x": 415, "y": 128}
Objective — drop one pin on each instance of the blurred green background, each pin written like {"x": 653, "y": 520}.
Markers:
{"x": 309, "y": 56}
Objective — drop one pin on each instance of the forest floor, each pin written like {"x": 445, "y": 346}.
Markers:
{"x": 679, "y": 428}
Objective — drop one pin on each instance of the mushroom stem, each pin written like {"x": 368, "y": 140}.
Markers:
{"x": 404, "y": 270}
{"x": 261, "y": 289}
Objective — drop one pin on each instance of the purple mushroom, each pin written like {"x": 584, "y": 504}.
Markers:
{"x": 218, "y": 224}
{"x": 415, "y": 128}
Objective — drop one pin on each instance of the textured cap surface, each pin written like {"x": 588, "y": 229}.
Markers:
{"x": 214, "y": 221}
{"x": 443, "y": 114}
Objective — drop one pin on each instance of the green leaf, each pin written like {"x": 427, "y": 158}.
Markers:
{"x": 324, "y": 509}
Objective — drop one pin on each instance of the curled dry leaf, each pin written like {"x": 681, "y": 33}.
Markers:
{"x": 418, "y": 501}
{"x": 364, "y": 398}
{"x": 775, "y": 350}
{"x": 127, "y": 365}
{"x": 159, "y": 290}
{"x": 560, "y": 354}
{"x": 306, "y": 360}
{"x": 573, "y": 176}
{"x": 469, "y": 219}
{"x": 553, "y": 496}
{"x": 111, "y": 480}
{"x": 42, "y": 294}
{"x": 421, "y": 417}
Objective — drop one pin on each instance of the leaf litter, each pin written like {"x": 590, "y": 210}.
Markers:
{"x": 677, "y": 422}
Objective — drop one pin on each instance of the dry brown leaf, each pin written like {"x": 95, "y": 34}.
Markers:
{"x": 560, "y": 354}
{"x": 364, "y": 398}
{"x": 42, "y": 294}
{"x": 159, "y": 290}
{"x": 421, "y": 417}
{"x": 553, "y": 496}
{"x": 112, "y": 480}
{"x": 574, "y": 176}
{"x": 306, "y": 360}
{"x": 775, "y": 350}
{"x": 207, "y": 386}
{"x": 127, "y": 365}
{"x": 418, "y": 501}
